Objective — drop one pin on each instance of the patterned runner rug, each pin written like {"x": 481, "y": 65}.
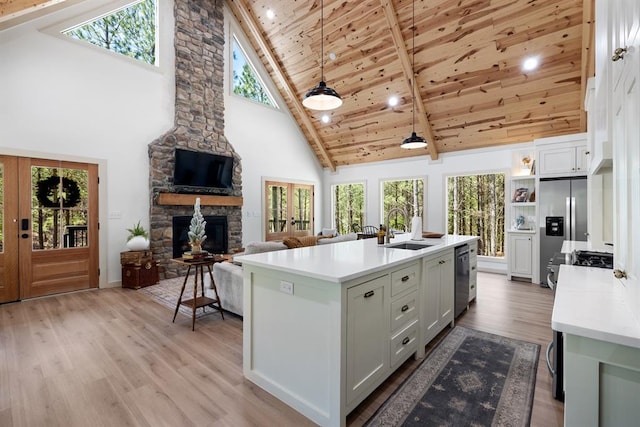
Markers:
{"x": 471, "y": 378}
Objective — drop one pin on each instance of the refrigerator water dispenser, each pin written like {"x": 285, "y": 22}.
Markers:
{"x": 555, "y": 226}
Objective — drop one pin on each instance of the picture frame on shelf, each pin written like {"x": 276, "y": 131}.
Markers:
{"x": 520, "y": 195}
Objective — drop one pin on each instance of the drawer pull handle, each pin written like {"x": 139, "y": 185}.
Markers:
{"x": 405, "y": 308}
{"x": 405, "y": 278}
{"x": 473, "y": 268}
{"x": 369, "y": 294}
{"x": 405, "y": 341}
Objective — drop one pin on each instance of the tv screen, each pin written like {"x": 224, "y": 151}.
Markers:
{"x": 197, "y": 169}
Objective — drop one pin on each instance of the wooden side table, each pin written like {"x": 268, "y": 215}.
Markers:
{"x": 198, "y": 301}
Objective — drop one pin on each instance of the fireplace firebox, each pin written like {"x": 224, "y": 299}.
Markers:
{"x": 216, "y": 231}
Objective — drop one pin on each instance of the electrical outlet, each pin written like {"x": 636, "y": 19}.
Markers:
{"x": 286, "y": 287}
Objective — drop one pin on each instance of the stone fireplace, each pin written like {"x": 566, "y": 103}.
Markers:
{"x": 199, "y": 126}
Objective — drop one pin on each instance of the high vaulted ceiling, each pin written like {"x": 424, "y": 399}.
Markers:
{"x": 470, "y": 90}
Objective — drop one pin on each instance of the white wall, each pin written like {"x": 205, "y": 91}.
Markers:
{"x": 66, "y": 99}
{"x": 269, "y": 142}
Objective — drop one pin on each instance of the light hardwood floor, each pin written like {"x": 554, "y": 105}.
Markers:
{"x": 112, "y": 357}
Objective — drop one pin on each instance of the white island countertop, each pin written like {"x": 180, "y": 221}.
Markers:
{"x": 590, "y": 302}
{"x": 340, "y": 262}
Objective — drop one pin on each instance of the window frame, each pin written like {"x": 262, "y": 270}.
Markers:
{"x": 235, "y": 37}
{"x": 445, "y": 195}
{"x": 423, "y": 178}
{"x": 364, "y": 201}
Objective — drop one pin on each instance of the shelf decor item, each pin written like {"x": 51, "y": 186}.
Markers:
{"x": 520, "y": 195}
{"x": 138, "y": 239}
{"x": 196, "y": 229}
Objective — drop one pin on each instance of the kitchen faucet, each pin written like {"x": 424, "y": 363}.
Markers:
{"x": 392, "y": 210}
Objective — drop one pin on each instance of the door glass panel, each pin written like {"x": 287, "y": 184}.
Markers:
{"x": 1, "y": 208}
{"x": 302, "y": 208}
{"x": 60, "y": 207}
{"x": 277, "y": 205}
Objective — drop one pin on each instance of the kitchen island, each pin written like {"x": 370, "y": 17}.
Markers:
{"x": 325, "y": 325}
{"x": 601, "y": 348}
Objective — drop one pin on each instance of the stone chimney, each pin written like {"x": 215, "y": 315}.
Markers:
{"x": 199, "y": 124}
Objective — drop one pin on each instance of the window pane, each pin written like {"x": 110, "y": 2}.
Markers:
{"x": 407, "y": 195}
{"x": 60, "y": 207}
{"x": 348, "y": 208}
{"x": 302, "y": 208}
{"x": 475, "y": 206}
{"x": 130, "y": 31}
{"x": 277, "y": 202}
{"x": 246, "y": 81}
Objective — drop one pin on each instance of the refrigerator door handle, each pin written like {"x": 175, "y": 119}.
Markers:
{"x": 567, "y": 216}
{"x": 573, "y": 219}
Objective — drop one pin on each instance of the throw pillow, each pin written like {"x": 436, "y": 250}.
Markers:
{"x": 329, "y": 231}
{"x": 292, "y": 242}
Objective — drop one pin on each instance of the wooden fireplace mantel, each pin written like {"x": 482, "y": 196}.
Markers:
{"x": 175, "y": 199}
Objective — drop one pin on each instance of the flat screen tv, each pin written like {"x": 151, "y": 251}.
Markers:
{"x": 202, "y": 170}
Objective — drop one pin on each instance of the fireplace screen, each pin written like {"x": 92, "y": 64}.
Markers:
{"x": 216, "y": 231}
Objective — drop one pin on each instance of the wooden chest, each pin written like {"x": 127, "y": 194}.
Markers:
{"x": 138, "y": 276}
{"x": 135, "y": 257}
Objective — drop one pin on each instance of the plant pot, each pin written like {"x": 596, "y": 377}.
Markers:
{"x": 196, "y": 248}
{"x": 138, "y": 243}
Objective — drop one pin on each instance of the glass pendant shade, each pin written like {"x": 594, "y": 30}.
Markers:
{"x": 322, "y": 98}
{"x": 413, "y": 141}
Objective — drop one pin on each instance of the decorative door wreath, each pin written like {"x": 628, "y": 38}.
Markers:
{"x": 49, "y": 197}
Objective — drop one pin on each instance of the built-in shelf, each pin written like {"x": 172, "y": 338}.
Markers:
{"x": 175, "y": 199}
{"x": 523, "y": 203}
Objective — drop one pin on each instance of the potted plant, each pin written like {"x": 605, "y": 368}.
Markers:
{"x": 138, "y": 239}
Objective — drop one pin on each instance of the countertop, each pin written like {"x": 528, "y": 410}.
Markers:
{"x": 340, "y": 262}
{"x": 569, "y": 246}
{"x": 590, "y": 302}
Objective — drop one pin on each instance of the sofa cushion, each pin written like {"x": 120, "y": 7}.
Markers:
{"x": 329, "y": 232}
{"x": 292, "y": 242}
{"x": 340, "y": 238}
{"x": 259, "y": 247}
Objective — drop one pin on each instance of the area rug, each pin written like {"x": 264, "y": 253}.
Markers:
{"x": 471, "y": 378}
{"x": 167, "y": 291}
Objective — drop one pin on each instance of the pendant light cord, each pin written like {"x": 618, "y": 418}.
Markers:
{"x": 413, "y": 66}
{"x": 321, "y": 40}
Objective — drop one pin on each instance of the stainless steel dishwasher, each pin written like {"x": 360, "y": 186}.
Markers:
{"x": 462, "y": 279}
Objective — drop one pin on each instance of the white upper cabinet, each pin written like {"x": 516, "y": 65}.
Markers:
{"x": 562, "y": 156}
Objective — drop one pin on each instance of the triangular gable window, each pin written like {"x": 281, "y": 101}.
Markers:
{"x": 246, "y": 81}
{"x": 130, "y": 30}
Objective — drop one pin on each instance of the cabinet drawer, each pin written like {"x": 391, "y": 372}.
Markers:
{"x": 404, "y": 279}
{"x": 404, "y": 310}
{"x": 404, "y": 343}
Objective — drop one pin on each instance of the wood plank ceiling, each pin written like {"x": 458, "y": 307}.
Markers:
{"x": 470, "y": 90}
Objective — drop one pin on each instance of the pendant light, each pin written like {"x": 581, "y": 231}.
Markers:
{"x": 322, "y": 97}
{"x": 413, "y": 141}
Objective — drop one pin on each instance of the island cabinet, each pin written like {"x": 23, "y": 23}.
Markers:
{"x": 473, "y": 270}
{"x": 325, "y": 325}
{"x": 382, "y": 326}
{"x": 439, "y": 293}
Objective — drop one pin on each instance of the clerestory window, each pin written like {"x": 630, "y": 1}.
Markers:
{"x": 130, "y": 31}
{"x": 246, "y": 81}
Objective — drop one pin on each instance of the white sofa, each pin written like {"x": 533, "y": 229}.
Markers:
{"x": 229, "y": 278}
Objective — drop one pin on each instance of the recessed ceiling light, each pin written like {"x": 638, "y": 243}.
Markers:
{"x": 332, "y": 56}
{"x": 325, "y": 118}
{"x": 271, "y": 14}
{"x": 393, "y": 101}
{"x": 531, "y": 63}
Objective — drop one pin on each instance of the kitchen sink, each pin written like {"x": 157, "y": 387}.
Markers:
{"x": 412, "y": 246}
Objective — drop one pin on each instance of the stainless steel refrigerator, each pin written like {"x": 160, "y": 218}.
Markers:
{"x": 563, "y": 215}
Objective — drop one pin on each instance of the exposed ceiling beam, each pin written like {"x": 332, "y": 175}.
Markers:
{"x": 243, "y": 15}
{"x": 401, "y": 48}
{"x": 10, "y": 9}
{"x": 588, "y": 50}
